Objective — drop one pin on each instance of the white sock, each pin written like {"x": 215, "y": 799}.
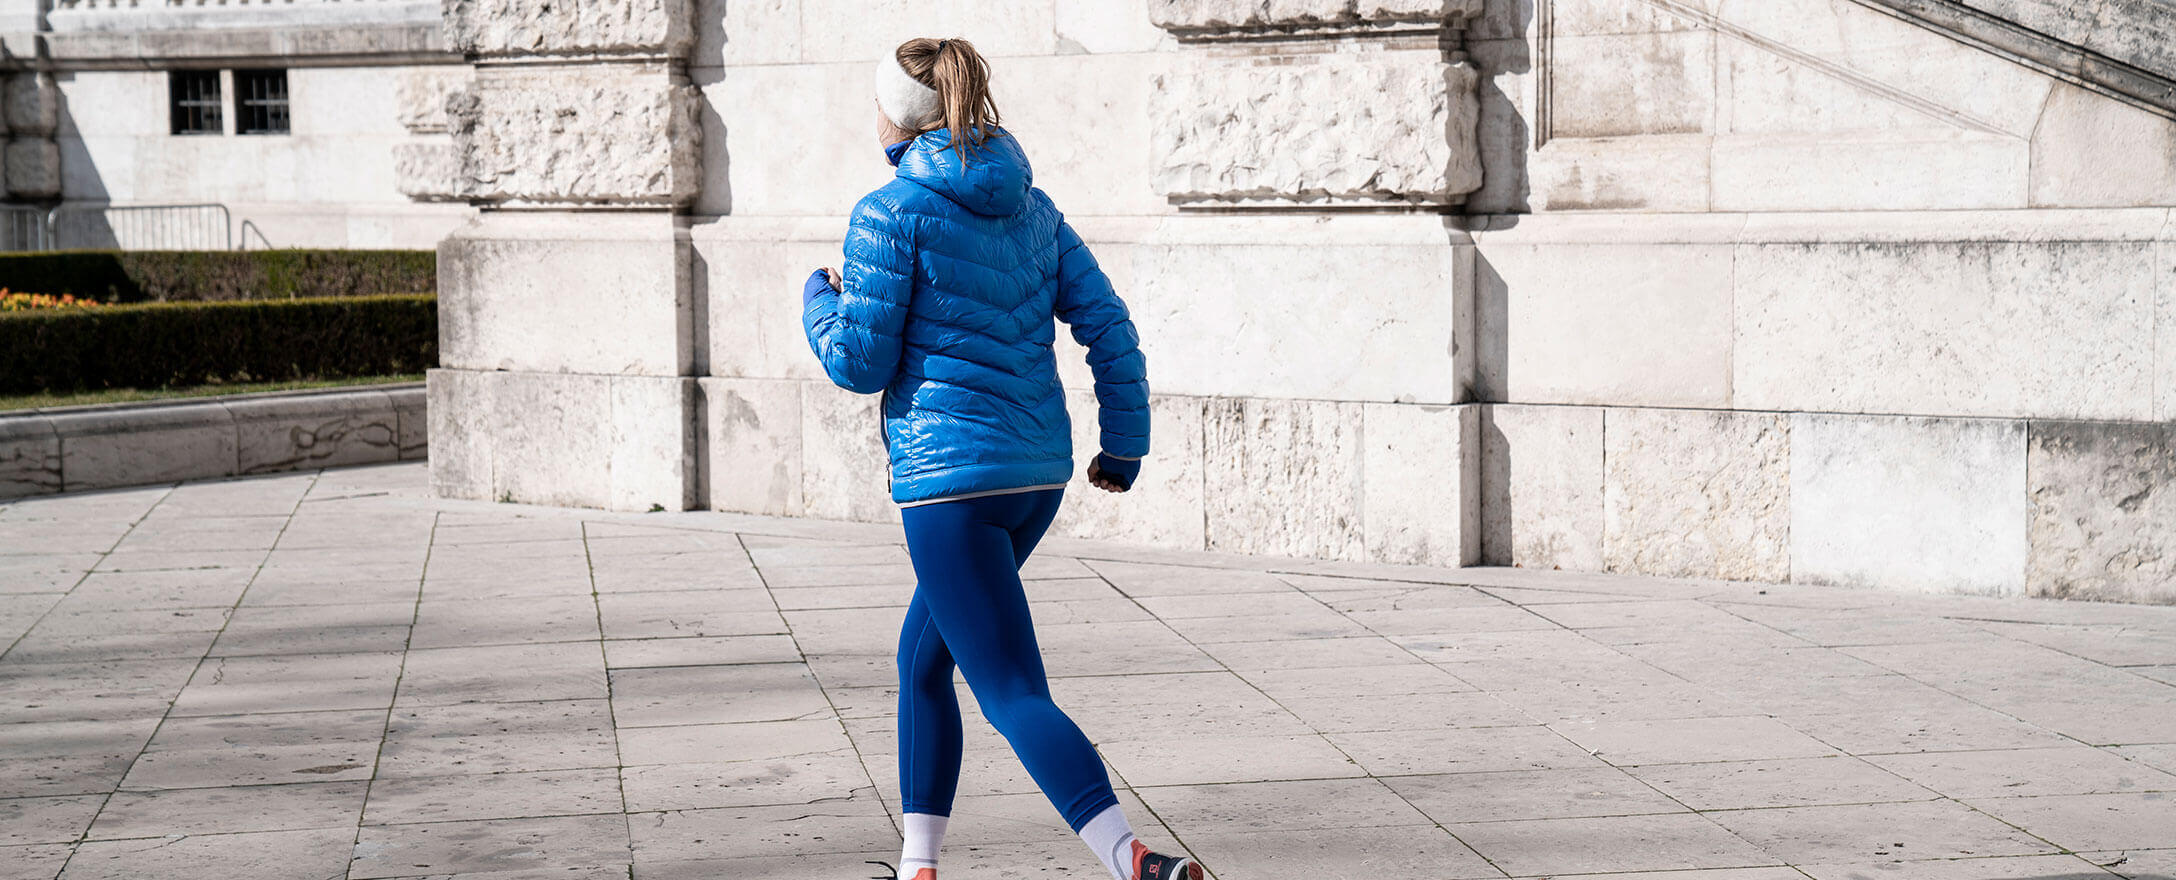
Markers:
{"x": 925, "y": 833}
{"x": 1111, "y": 837}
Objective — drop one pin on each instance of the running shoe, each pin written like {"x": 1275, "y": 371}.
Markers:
{"x": 1156, "y": 866}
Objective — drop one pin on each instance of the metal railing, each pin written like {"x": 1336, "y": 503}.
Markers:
{"x": 199, "y": 227}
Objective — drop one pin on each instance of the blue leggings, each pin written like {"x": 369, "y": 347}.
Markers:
{"x": 969, "y": 608}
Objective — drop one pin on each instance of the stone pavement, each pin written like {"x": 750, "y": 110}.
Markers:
{"x": 331, "y": 674}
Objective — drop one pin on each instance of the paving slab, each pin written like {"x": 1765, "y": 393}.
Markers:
{"x": 334, "y": 674}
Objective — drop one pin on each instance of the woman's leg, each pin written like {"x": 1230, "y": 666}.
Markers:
{"x": 929, "y": 737}
{"x": 966, "y": 556}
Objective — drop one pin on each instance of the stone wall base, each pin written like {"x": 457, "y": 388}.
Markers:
{"x": 2002, "y": 507}
{"x": 566, "y": 439}
{"x": 1322, "y": 479}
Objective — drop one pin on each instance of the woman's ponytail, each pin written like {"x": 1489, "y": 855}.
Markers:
{"x": 962, "y": 80}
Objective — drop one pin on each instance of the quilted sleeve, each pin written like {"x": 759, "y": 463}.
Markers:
{"x": 856, "y": 332}
{"x": 1100, "y": 323}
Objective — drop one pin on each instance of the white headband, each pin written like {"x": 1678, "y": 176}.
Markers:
{"x": 907, "y": 103}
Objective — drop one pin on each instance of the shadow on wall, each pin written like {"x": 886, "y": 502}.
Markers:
{"x": 1499, "y": 51}
{"x": 80, "y": 181}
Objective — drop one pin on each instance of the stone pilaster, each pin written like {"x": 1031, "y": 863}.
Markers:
{"x": 32, "y": 160}
{"x": 568, "y": 335}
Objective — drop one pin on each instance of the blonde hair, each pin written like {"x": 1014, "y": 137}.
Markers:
{"x": 962, "y": 80}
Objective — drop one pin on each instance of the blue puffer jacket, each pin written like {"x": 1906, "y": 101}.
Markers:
{"x": 953, "y": 273}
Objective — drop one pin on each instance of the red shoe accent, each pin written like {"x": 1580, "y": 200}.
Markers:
{"x": 926, "y": 874}
{"x": 1140, "y": 850}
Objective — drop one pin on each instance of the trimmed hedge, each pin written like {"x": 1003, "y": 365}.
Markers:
{"x": 218, "y": 276}
{"x": 160, "y": 345}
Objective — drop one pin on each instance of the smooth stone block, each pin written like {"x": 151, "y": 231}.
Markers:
{"x": 566, "y": 292}
{"x": 108, "y": 448}
{"x": 282, "y": 434}
{"x": 732, "y": 32}
{"x": 851, "y": 30}
{"x": 1613, "y": 324}
{"x": 1164, "y": 507}
{"x": 2164, "y": 342}
{"x": 2090, "y": 150}
{"x": 1282, "y": 477}
{"x": 1421, "y": 473}
{"x": 1913, "y": 504}
{"x": 616, "y": 442}
{"x": 29, "y": 457}
{"x": 1667, "y": 173}
{"x": 1541, "y": 486}
{"x": 750, "y": 272}
{"x": 2103, "y": 524}
{"x": 412, "y": 422}
{"x": 1692, "y": 493}
{"x": 2056, "y": 329}
{"x": 1632, "y": 84}
{"x": 1942, "y": 170}
{"x": 845, "y": 466}
{"x": 752, "y": 445}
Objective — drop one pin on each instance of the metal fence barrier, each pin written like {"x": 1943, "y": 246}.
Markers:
{"x": 200, "y": 227}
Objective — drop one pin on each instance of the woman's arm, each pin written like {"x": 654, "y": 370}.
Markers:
{"x": 1101, "y": 324}
{"x": 856, "y": 330}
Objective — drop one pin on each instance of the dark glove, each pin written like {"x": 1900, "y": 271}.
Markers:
{"x": 1122, "y": 471}
{"x": 818, "y": 282}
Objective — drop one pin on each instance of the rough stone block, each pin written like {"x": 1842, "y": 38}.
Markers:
{"x": 579, "y": 134}
{"x": 616, "y": 442}
{"x": 567, "y": 292}
{"x": 1282, "y": 477}
{"x": 1541, "y": 486}
{"x": 1420, "y": 472}
{"x": 845, "y": 468}
{"x": 108, "y": 448}
{"x": 29, "y": 457}
{"x": 1632, "y": 84}
{"x": 429, "y": 171}
{"x": 1194, "y": 17}
{"x": 1165, "y": 507}
{"x": 2091, "y": 151}
{"x": 33, "y": 168}
{"x": 1831, "y": 172}
{"x": 1205, "y": 288}
{"x": 752, "y": 445}
{"x": 1697, "y": 493}
{"x": 33, "y": 104}
{"x": 546, "y": 27}
{"x": 2103, "y": 513}
{"x": 1391, "y": 127}
{"x": 1594, "y": 323}
{"x": 319, "y": 430}
{"x": 1914, "y": 504}
{"x": 421, "y": 94}
{"x": 2058, "y": 329}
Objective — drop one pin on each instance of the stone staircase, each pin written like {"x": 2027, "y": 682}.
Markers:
{"x": 2124, "y": 49}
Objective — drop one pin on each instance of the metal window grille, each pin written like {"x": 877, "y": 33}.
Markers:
{"x": 260, "y": 101}
{"x": 193, "y": 96}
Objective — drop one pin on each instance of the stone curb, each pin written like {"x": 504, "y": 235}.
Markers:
{"x": 72, "y": 449}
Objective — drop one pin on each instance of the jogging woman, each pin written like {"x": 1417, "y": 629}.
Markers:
{"x": 954, "y": 271}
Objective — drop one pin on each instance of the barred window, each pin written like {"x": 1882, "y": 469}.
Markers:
{"x": 260, "y": 101}
{"x": 194, "y": 102}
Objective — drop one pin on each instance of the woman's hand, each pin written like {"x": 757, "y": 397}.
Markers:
{"x": 1113, "y": 474}
{"x": 832, "y": 275}
{"x": 818, "y": 282}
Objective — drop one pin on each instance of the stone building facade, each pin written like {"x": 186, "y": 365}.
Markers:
{"x": 97, "y": 95}
{"x": 1871, "y": 292}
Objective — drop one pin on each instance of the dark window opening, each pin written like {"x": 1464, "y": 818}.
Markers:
{"x": 193, "y": 98}
{"x": 260, "y": 98}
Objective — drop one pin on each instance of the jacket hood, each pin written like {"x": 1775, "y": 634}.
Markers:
{"x": 992, "y": 179}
